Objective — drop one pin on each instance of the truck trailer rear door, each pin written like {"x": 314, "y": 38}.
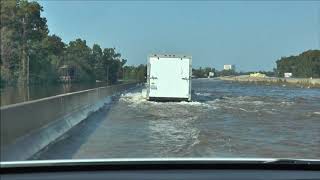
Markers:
{"x": 169, "y": 78}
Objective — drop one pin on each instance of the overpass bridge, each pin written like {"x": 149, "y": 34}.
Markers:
{"x": 29, "y": 127}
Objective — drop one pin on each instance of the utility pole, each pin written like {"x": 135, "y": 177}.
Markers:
{"x": 28, "y": 70}
{"x": 23, "y": 57}
{"x": 108, "y": 75}
{"x": 123, "y": 73}
{"x": 24, "y": 76}
{"x": 318, "y": 27}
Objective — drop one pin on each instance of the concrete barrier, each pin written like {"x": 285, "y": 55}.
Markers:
{"x": 301, "y": 82}
{"x": 28, "y": 127}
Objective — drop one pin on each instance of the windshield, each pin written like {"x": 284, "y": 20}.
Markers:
{"x": 160, "y": 79}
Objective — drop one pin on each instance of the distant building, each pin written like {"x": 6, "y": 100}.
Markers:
{"x": 210, "y": 74}
{"x": 229, "y": 67}
{"x": 68, "y": 73}
{"x": 287, "y": 75}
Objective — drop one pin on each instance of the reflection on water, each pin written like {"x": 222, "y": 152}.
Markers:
{"x": 16, "y": 94}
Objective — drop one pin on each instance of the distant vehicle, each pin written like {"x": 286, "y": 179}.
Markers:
{"x": 287, "y": 75}
{"x": 169, "y": 77}
{"x": 258, "y": 75}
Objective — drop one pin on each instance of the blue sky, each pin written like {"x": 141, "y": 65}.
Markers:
{"x": 251, "y": 35}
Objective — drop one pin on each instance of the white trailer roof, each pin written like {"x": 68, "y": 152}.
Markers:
{"x": 170, "y": 56}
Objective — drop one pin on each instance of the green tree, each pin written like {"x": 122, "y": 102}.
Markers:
{"x": 10, "y": 54}
{"x": 227, "y": 73}
{"x": 112, "y": 64}
{"x": 98, "y": 62}
{"x": 77, "y": 57}
{"x": 32, "y": 32}
{"x": 305, "y": 65}
{"x": 22, "y": 32}
{"x": 30, "y": 55}
{"x": 203, "y": 72}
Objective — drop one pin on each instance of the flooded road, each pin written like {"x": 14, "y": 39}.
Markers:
{"x": 224, "y": 119}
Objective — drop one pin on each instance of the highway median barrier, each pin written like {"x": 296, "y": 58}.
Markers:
{"x": 28, "y": 127}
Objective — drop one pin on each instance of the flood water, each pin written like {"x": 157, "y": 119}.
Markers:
{"x": 223, "y": 120}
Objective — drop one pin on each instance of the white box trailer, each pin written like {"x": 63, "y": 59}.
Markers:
{"x": 169, "y": 77}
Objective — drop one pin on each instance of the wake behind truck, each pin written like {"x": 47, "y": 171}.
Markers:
{"x": 169, "y": 77}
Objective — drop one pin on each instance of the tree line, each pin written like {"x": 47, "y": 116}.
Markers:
{"x": 304, "y": 65}
{"x": 203, "y": 72}
{"x": 29, "y": 54}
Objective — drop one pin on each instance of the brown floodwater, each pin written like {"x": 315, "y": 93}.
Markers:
{"x": 224, "y": 119}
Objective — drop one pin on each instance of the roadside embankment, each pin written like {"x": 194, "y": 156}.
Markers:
{"x": 300, "y": 82}
{"x": 30, "y": 126}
